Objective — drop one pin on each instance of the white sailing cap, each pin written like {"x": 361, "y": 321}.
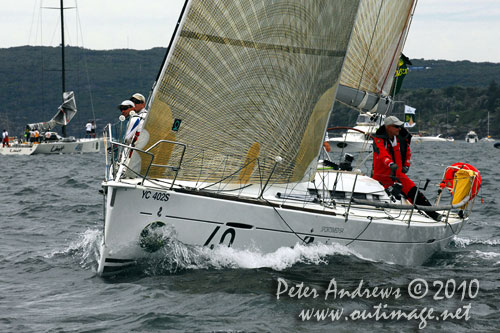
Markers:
{"x": 127, "y": 103}
{"x": 392, "y": 120}
{"x": 138, "y": 97}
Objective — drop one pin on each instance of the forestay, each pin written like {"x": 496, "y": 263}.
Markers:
{"x": 247, "y": 83}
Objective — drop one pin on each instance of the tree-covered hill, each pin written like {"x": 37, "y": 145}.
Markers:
{"x": 435, "y": 74}
{"x": 444, "y": 92}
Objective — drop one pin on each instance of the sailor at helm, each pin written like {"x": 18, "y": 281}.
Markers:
{"x": 391, "y": 161}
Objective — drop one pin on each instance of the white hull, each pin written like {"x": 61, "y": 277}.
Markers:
{"x": 59, "y": 147}
{"x": 209, "y": 220}
{"x": 17, "y": 150}
{"x": 471, "y": 137}
{"x": 423, "y": 139}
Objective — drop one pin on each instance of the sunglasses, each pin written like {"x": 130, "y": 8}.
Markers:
{"x": 136, "y": 101}
{"x": 125, "y": 107}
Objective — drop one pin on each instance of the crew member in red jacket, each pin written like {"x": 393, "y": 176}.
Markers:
{"x": 392, "y": 158}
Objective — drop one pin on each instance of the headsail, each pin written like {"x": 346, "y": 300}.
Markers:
{"x": 64, "y": 114}
{"x": 373, "y": 55}
{"x": 246, "y": 84}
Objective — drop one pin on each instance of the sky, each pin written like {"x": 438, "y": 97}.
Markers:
{"x": 440, "y": 29}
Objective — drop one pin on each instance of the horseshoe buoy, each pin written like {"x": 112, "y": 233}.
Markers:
{"x": 461, "y": 179}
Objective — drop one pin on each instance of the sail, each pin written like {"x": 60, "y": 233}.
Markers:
{"x": 373, "y": 55}
{"x": 64, "y": 114}
{"x": 248, "y": 87}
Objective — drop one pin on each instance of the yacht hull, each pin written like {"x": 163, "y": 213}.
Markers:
{"x": 210, "y": 220}
{"x": 17, "y": 150}
{"x": 79, "y": 146}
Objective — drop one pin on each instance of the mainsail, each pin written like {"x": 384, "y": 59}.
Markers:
{"x": 376, "y": 45}
{"x": 248, "y": 86}
{"x": 64, "y": 114}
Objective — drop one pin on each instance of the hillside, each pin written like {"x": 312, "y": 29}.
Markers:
{"x": 461, "y": 92}
{"x": 30, "y": 78}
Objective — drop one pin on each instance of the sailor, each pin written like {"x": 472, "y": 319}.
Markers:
{"x": 137, "y": 121}
{"x": 5, "y": 138}
{"x": 88, "y": 130}
{"x": 27, "y": 134}
{"x": 132, "y": 158}
{"x": 125, "y": 108}
{"x": 140, "y": 104}
{"x": 92, "y": 129}
{"x": 37, "y": 136}
{"x": 391, "y": 161}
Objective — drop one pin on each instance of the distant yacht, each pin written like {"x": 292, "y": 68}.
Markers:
{"x": 42, "y": 138}
{"x": 488, "y": 137}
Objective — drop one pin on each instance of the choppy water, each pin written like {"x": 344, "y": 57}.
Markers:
{"x": 51, "y": 223}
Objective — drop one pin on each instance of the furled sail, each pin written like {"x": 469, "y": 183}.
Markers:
{"x": 64, "y": 114}
{"x": 248, "y": 86}
{"x": 373, "y": 55}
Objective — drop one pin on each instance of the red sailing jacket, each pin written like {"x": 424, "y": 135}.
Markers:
{"x": 384, "y": 154}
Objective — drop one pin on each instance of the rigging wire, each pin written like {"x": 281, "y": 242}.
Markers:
{"x": 281, "y": 217}
{"x": 362, "y": 232}
{"x": 32, "y": 22}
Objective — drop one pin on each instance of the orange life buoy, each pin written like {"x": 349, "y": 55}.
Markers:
{"x": 449, "y": 176}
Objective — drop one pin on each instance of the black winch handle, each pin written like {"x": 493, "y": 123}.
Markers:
{"x": 393, "y": 176}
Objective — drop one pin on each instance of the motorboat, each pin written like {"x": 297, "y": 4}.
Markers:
{"x": 438, "y": 138}
{"x": 471, "y": 137}
{"x": 359, "y": 138}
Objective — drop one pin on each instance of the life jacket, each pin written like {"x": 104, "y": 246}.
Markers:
{"x": 404, "y": 140}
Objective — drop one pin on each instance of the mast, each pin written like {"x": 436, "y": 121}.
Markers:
{"x": 63, "y": 69}
{"x": 62, "y": 49}
{"x": 488, "y": 135}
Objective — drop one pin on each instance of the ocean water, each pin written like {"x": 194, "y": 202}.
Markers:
{"x": 51, "y": 218}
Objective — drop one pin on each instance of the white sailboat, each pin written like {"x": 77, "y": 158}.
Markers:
{"x": 488, "y": 137}
{"x": 49, "y": 142}
{"x": 228, "y": 153}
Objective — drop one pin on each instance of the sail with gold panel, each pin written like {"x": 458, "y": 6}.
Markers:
{"x": 245, "y": 83}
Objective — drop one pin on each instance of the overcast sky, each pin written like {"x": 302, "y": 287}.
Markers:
{"x": 441, "y": 29}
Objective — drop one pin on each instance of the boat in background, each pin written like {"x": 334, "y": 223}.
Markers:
{"x": 47, "y": 141}
{"x": 50, "y": 142}
{"x": 231, "y": 158}
{"x": 488, "y": 137}
{"x": 438, "y": 138}
{"x": 471, "y": 137}
{"x": 359, "y": 138}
